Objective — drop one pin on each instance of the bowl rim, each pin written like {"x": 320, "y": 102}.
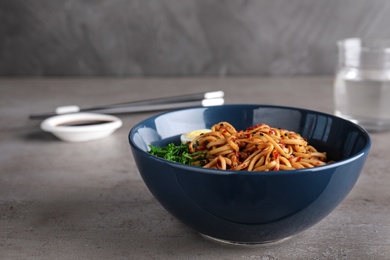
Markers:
{"x": 362, "y": 152}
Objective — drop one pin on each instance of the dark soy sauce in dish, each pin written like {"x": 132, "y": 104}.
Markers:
{"x": 84, "y": 123}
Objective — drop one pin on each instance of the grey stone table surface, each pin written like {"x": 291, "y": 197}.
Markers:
{"x": 87, "y": 200}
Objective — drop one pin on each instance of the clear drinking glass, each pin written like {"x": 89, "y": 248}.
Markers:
{"x": 362, "y": 84}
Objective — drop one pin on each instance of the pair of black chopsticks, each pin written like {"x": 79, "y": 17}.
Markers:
{"x": 191, "y": 100}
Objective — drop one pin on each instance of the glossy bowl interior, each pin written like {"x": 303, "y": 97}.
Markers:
{"x": 251, "y": 207}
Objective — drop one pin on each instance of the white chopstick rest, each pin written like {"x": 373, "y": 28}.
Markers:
{"x": 214, "y": 94}
{"x": 213, "y": 102}
{"x": 67, "y": 110}
{"x": 81, "y": 127}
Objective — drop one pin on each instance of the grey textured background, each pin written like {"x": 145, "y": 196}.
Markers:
{"x": 181, "y": 38}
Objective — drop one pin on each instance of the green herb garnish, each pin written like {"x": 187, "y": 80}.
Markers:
{"x": 175, "y": 153}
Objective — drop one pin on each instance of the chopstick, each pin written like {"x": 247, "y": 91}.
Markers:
{"x": 175, "y": 102}
{"x": 164, "y": 100}
{"x": 157, "y": 107}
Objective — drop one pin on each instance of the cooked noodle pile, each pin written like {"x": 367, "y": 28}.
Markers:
{"x": 258, "y": 148}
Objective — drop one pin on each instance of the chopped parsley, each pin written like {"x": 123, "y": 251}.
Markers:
{"x": 175, "y": 153}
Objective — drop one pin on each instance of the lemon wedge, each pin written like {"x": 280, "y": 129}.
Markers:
{"x": 188, "y": 137}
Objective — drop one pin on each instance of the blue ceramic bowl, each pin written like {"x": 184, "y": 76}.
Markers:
{"x": 251, "y": 207}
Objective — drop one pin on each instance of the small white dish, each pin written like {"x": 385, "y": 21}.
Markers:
{"x": 80, "y": 127}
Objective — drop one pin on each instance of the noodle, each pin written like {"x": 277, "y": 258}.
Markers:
{"x": 258, "y": 148}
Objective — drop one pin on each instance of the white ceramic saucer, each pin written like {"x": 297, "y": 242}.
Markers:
{"x": 80, "y": 127}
